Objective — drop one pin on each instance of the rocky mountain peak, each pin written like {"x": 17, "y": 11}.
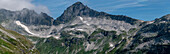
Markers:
{"x": 77, "y": 9}
{"x": 78, "y": 3}
{"x": 78, "y": 6}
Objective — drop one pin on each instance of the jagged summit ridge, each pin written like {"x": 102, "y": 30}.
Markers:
{"x": 29, "y": 17}
{"x": 79, "y": 9}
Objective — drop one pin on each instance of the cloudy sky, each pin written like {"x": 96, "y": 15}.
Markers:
{"x": 140, "y": 9}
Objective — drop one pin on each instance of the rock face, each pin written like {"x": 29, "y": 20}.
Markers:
{"x": 82, "y": 30}
{"x": 30, "y": 17}
{"x": 152, "y": 37}
{"x": 26, "y": 16}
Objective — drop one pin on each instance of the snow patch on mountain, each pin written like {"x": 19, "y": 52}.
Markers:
{"x": 56, "y": 37}
{"x": 80, "y": 29}
{"x": 85, "y": 22}
{"x": 25, "y": 28}
{"x": 81, "y": 18}
{"x": 111, "y": 45}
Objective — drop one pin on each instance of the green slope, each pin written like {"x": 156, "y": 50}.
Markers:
{"x": 13, "y": 43}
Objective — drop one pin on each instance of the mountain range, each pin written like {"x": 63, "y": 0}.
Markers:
{"x": 81, "y": 30}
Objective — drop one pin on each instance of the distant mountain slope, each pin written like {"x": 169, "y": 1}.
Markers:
{"x": 14, "y": 43}
{"x": 153, "y": 38}
{"x": 81, "y": 30}
{"x": 29, "y": 17}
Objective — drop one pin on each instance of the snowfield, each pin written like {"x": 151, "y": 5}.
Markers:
{"x": 25, "y": 28}
{"x": 33, "y": 34}
{"x": 85, "y": 22}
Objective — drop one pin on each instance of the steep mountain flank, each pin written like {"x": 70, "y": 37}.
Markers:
{"x": 14, "y": 43}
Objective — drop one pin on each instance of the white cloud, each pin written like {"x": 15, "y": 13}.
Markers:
{"x": 118, "y": 4}
{"x": 133, "y": 4}
{"x": 15, "y": 5}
